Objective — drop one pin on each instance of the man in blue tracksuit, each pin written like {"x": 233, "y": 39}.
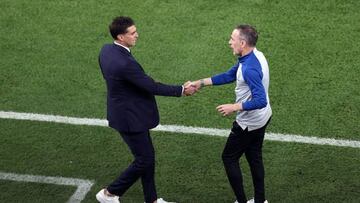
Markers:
{"x": 251, "y": 73}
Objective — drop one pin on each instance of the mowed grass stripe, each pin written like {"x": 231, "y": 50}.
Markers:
{"x": 179, "y": 129}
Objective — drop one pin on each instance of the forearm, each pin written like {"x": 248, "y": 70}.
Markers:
{"x": 203, "y": 82}
{"x": 167, "y": 90}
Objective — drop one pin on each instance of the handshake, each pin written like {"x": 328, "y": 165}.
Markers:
{"x": 191, "y": 87}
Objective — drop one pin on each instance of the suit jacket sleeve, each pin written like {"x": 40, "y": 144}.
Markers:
{"x": 134, "y": 74}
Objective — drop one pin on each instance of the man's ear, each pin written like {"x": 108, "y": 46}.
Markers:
{"x": 120, "y": 37}
{"x": 243, "y": 43}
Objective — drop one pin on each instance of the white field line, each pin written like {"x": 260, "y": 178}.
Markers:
{"x": 83, "y": 186}
{"x": 180, "y": 129}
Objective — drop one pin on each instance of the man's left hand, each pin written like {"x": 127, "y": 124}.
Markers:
{"x": 227, "y": 109}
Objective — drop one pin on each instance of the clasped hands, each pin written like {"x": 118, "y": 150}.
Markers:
{"x": 191, "y": 88}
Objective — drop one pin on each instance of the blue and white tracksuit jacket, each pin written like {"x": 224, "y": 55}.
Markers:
{"x": 251, "y": 73}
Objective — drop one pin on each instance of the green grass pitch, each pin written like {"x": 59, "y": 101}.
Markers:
{"x": 48, "y": 65}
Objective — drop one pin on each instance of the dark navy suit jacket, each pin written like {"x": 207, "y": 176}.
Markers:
{"x": 131, "y": 105}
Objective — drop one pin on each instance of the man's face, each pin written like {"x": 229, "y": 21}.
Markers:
{"x": 236, "y": 42}
{"x": 130, "y": 37}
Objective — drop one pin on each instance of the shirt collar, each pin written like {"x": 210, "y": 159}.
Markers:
{"x": 243, "y": 58}
{"x": 122, "y": 46}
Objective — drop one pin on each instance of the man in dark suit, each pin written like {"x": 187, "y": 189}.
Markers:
{"x": 132, "y": 109}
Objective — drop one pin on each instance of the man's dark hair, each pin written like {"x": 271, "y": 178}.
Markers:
{"x": 119, "y": 25}
{"x": 249, "y": 34}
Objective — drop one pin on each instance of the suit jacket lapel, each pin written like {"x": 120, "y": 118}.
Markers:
{"x": 127, "y": 53}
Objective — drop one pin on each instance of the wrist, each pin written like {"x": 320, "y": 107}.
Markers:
{"x": 202, "y": 83}
{"x": 238, "y": 107}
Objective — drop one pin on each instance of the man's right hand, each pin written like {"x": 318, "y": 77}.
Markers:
{"x": 189, "y": 88}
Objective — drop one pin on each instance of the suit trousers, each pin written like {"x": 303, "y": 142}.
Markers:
{"x": 142, "y": 167}
{"x": 249, "y": 142}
